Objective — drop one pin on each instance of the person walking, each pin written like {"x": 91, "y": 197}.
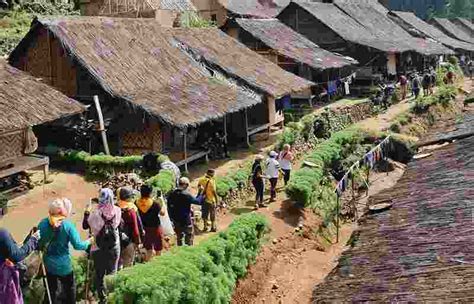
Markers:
{"x": 57, "y": 232}
{"x": 150, "y": 211}
{"x": 207, "y": 188}
{"x": 104, "y": 223}
{"x": 425, "y": 82}
{"x": 284, "y": 159}
{"x": 403, "y": 86}
{"x": 131, "y": 230}
{"x": 416, "y": 85}
{"x": 258, "y": 181}
{"x": 432, "y": 81}
{"x": 11, "y": 253}
{"x": 179, "y": 209}
{"x": 272, "y": 171}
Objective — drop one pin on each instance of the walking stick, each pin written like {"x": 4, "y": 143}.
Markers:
{"x": 45, "y": 279}
{"x": 86, "y": 296}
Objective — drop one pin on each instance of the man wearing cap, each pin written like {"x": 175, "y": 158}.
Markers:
{"x": 272, "y": 171}
{"x": 207, "y": 187}
{"x": 179, "y": 209}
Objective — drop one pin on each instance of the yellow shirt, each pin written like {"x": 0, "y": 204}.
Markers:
{"x": 211, "y": 191}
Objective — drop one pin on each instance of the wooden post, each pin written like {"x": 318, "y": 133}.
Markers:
{"x": 101, "y": 125}
{"x": 368, "y": 175}
{"x": 185, "y": 131}
{"x": 45, "y": 173}
{"x": 353, "y": 194}
{"x": 337, "y": 219}
{"x": 246, "y": 128}
{"x": 225, "y": 129}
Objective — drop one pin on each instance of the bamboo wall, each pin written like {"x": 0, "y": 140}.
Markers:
{"x": 11, "y": 146}
{"x": 47, "y": 59}
{"x": 141, "y": 142}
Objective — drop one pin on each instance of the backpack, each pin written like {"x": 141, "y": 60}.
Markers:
{"x": 107, "y": 238}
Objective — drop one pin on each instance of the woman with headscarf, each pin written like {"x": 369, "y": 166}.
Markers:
{"x": 57, "y": 232}
{"x": 130, "y": 227}
{"x": 103, "y": 224}
{"x": 272, "y": 171}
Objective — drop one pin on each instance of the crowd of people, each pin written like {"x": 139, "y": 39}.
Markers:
{"x": 120, "y": 225}
{"x": 426, "y": 82}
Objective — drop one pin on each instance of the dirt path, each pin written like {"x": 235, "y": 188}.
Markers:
{"x": 28, "y": 209}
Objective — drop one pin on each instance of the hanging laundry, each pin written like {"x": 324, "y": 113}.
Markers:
{"x": 332, "y": 88}
{"x": 346, "y": 88}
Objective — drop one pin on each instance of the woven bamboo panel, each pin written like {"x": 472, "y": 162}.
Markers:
{"x": 63, "y": 72}
{"x": 136, "y": 143}
{"x": 11, "y": 146}
{"x": 38, "y": 58}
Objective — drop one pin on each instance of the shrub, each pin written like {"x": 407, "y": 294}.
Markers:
{"x": 205, "y": 273}
{"x": 3, "y": 200}
{"x": 101, "y": 166}
{"x": 165, "y": 181}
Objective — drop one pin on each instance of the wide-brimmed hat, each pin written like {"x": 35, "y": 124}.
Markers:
{"x": 273, "y": 154}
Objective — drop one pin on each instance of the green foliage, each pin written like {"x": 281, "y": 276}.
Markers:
{"x": 3, "y": 200}
{"x": 165, "y": 181}
{"x": 444, "y": 96}
{"x": 101, "y": 166}
{"x": 233, "y": 180}
{"x": 14, "y": 24}
{"x": 193, "y": 20}
{"x": 205, "y": 273}
{"x": 453, "y": 9}
{"x": 305, "y": 184}
{"x": 13, "y": 27}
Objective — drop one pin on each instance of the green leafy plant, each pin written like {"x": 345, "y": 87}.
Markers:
{"x": 205, "y": 273}
{"x": 3, "y": 200}
{"x": 165, "y": 181}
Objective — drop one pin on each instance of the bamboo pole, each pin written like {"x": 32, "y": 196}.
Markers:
{"x": 246, "y": 128}
{"x": 185, "y": 150}
{"x": 101, "y": 124}
{"x": 337, "y": 220}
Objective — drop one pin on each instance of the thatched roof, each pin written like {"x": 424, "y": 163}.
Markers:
{"x": 235, "y": 60}
{"x": 411, "y": 20}
{"x": 173, "y": 5}
{"x": 347, "y": 28}
{"x": 371, "y": 17}
{"x": 465, "y": 24}
{"x": 284, "y": 40}
{"x": 419, "y": 251}
{"x": 452, "y": 29}
{"x": 135, "y": 61}
{"x": 26, "y": 101}
{"x": 252, "y": 8}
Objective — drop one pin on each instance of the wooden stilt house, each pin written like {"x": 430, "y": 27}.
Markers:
{"x": 24, "y": 102}
{"x": 155, "y": 89}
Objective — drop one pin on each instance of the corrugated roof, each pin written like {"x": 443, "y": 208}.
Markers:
{"x": 347, "y": 28}
{"x": 452, "y": 29}
{"x": 26, "y": 101}
{"x": 419, "y": 251}
{"x": 431, "y": 31}
{"x": 291, "y": 44}
{"x": 371, "y": 17}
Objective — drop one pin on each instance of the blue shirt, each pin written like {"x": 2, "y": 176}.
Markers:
{"x": 57, "y": 258}
{"x": 10, "y": 250}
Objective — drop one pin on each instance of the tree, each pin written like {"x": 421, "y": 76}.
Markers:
{"x": 454, "y": 8}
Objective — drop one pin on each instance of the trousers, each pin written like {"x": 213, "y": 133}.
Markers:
{"x": 186, "y": 232}
{"x": 105, "y": 263}
{"x": 61, "y": 288}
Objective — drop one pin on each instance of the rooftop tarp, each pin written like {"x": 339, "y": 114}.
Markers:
{"x": 370, "y": 15}
{"x": 136, "y": 61}
{"x": 452, "y": 29}
{"x": 26, "y": 101}
{"x": 173, "y": 5}
{"x": 291, "y": 44}
{"x": 420, "y": 250}
{"x": 347, "y": 28}
{"x": 430, "y": 31}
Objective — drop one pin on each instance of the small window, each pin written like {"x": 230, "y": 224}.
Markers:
{"x": 214, "y": 17}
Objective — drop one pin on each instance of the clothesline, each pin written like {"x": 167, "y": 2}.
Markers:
{"x": 370, "y": 158}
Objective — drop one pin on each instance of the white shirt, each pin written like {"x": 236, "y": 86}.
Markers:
{"x": 272, "y": 167}
{"x": 285, "y": 163}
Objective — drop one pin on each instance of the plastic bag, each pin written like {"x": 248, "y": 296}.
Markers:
{"x": 166, "y": 224}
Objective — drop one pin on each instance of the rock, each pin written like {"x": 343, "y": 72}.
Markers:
{"x": 275, "y": 241}
{"x": 275, "y": 286}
